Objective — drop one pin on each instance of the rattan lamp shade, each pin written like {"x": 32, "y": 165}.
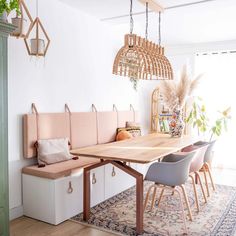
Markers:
{"x": 140, "y": 58}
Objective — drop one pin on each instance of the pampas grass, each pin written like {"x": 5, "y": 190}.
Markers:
{"x": 175, "y": 94}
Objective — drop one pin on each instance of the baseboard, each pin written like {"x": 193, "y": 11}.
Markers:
{"x": 16, "y": 212}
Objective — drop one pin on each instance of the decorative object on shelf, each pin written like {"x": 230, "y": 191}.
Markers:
{"x": 160, "y": 114}
{"x": 8, "y": 6}
{"x": 140, "y": 58}
{"x": 20, "y": 21}
{"x": 39, "y": 44}
{"x": 176, "y": 124}
{"x": 175, "y": 96}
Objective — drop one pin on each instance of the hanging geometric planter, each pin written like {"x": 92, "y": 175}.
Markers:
{"x": 37, "y": 45}
{"x": 21, "y": 22}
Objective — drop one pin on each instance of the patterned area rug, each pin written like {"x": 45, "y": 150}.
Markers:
{"x": 216, "y": 217}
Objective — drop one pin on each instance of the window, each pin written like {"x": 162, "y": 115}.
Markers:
{"x": 218, "y": 91}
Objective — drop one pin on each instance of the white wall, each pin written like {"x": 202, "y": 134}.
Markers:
{"x": 77, "y": 71}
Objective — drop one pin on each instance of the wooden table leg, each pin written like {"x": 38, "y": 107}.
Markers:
{"x": 139, "y": 191}
{"x": 86, "y": 195}
{"x": 139, "y": 204}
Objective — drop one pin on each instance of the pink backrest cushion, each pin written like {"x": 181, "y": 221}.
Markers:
{"x": 107, "y": 125}
{"x": 124, "y": 116}
{"x": 83, "y": 129}
{"x": 50, "y": 126}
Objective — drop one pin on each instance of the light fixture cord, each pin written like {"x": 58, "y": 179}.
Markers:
{"x": 146, "y": 33}
{"x": 159, "y": 27}
{"x": 37, "y": 8}
{"x": 131, "y": 17}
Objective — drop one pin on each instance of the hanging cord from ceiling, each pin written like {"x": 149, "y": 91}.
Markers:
{"x": 146, "y": 32}
{"x": 37, "y": 8}
{"x": 131, "y": 17}
{"x": 159, "y": 27}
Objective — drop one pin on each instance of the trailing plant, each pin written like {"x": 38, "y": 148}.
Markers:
{"x": 9, "y": 6}
{"x": 135, "y": 83}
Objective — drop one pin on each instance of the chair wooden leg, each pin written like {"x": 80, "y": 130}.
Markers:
{"x": 182, "y": 210}
{"x": 206, "y": 181}
{"x": 147, "y": 197}
{"x": 210, "y": 175}
{"x": 195, "y": 192}
{"x": 154, "y": 197}
{"x": 187, "y": 202}
{"x": 200, "y": 181}
{"x": 159, "y": 201}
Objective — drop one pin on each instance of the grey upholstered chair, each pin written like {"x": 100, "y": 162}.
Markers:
{"x": 207, "y": 163}
{"x": 195, "y": 166}
{"x": 170, "y": 175}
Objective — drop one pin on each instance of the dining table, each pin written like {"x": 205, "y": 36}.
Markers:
{"x": 143, "y": 150}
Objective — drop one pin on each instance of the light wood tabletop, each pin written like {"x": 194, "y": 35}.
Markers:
{"x": 143, "y": 149}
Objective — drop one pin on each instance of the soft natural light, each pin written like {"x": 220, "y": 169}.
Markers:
{"x": 218, "y": 91}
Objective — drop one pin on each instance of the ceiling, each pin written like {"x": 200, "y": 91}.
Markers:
{"x": 209, "y": 20}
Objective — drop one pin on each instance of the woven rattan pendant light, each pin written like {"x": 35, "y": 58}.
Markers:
{"x": 139, "y": 58}
{"x": 130, "y": 59}
{"x": 39, "y": 44}
{"x": 23, "y": 20}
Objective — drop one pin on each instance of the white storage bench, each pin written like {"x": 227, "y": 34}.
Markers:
{"x": 56, "y": 200}
{"x": 55, "y": 193}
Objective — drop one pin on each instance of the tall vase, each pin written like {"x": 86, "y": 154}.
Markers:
{"x": 176, "y": 123}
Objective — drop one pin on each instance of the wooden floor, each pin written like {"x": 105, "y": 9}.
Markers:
{"x": 28, "y": 227}
{"x": 25, "y": 226}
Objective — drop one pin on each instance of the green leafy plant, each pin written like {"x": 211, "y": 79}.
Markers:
{"x": 8, "y": 6}
{"x": 199, "y": 119}
{"x": 220, "y": 123}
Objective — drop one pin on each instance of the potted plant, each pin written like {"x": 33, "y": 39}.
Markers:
{"x": 198, "y": 119}
{"x": 4, "y": 8}
{"x": 175, "y": 96}
{"x": 18, "y": 21}
{"x": 8, "y": 6}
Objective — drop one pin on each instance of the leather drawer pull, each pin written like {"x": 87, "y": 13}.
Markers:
{"x": 113, "y": 173}
{"x": 94, "y": 180}
{"x": 70, "y": 189}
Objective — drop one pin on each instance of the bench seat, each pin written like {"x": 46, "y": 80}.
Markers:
{"x": 60, "y": 169}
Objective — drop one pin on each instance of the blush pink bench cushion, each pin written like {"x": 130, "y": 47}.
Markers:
{"x": 83, "y": 129}
{"x": 124, "y": 116}
{"x": 107, "y": 125}
{"x": 60, "y": 169}
{"x": 50, "y": 126}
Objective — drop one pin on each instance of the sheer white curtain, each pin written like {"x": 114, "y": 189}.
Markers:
{"x": 218, "y": 90}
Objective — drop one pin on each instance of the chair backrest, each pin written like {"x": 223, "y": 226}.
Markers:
{"x": 208, "y": 155}
{"x": 172, "y": 173}
{"x": 198, "y": 159}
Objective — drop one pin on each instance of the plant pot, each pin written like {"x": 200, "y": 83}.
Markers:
{"x": 41, "y": 46}
{"x": 17, "y": 22}
{"x": 176, "y": 124}
{"x": 3, "y": 16}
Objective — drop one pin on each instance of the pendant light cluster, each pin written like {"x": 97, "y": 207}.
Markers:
{"x": 140, "y": 58}
{"x": 34, "y": 34}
